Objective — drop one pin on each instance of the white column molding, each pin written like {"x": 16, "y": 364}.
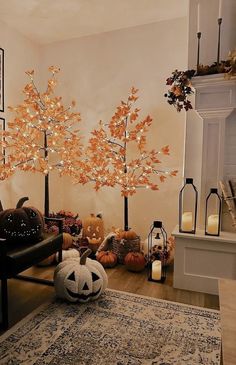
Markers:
{"x": 215, "y": 114}
{"x": 215, "y": 101}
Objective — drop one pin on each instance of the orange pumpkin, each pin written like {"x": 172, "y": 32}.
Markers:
{"x": 135, "y": 261}
{"x": 107, "y": 258}
{"x": 93, "y": 230}
{"x": 127, "y": 235}
{"x": 67, "y": 241}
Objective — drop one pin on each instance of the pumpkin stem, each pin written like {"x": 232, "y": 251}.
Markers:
{"x": 84, "y": 256}
{"x": 1, "y": 208}
{"x": 21, "y": 202}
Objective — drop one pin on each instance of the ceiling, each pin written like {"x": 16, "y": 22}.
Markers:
{"x": 46, "y": 21}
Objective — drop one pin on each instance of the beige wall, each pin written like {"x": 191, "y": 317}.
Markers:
{"x": 20, "y": 55}
{"x": 98, "y": 72}
{"x": 209, "y": 12}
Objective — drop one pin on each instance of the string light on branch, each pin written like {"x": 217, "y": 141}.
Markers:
{"x": 109, "y": 143}
{"x": 42, "y": 126}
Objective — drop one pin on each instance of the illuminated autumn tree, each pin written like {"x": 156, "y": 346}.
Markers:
{"x": 43, "y": 135}
{"x": 117, "y": 154}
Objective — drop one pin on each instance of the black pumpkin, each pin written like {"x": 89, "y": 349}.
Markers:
{"x": 22, "y": 224}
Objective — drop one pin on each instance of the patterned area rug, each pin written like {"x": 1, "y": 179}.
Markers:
{"x": 117, "y": 329}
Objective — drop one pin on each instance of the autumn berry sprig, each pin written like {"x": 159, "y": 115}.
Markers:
{"x": 181, "y": 88}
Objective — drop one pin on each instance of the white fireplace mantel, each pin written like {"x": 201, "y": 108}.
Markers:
{"x": 214, "y": 94}
{"x": 211, "y": 139}
{"x": 210, "y": 156}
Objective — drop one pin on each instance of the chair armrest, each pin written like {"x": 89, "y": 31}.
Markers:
{"x": 59, "y": 221}
{"x": 3, "y": 247}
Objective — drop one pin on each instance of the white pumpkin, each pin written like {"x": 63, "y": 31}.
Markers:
{"x": 80, "y": 279}
{"x": 68, "y": 254}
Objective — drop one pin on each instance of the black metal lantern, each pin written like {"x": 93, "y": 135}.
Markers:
{"x": 188, "y": 197}
{"x": 213, "y": 213}
{"x": 157, "y": 252}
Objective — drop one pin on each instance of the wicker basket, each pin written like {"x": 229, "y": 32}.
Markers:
{"x": 123, "y": 246}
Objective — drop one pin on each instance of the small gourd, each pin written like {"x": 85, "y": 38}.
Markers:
{"x": 67, "y": 241}
{"x": 107, "y": 258}
{"x": 135, "y": 261}
{"x": 80, "y": 279}
{"x": 127, "y": 235}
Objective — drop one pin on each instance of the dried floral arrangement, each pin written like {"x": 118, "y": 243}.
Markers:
{"x": 180, "y": 81}
{"x": 181, "y": 88}
{"x": 71, "y": 222}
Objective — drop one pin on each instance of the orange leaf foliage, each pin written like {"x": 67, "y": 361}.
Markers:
{"x": 42, "y": 135}
{"x": 107, "y": 160}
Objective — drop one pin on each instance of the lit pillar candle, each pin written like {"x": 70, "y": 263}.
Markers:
{"x": 198, "y": 17}
{"x": 212, "y": 224}
{"x": 187, "y": 221}
{"x": 156, "y": 270}
{"x": 220, "y": 9}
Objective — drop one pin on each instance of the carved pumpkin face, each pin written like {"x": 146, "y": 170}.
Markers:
{"x": 93, "y": 230}
{"x": 80, "y": 279}
{"x": 23, "y": 224}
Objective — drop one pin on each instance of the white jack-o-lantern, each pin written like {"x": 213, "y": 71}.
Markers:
{"x": 80, "y": 279}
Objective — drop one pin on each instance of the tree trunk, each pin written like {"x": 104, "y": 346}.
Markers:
{"x": 46, "y": 180}
{"x": 126, "y": 214}
{"x": 46, "y": 195}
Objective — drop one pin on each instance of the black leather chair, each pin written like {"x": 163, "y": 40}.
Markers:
{"x": 15, "y": 258}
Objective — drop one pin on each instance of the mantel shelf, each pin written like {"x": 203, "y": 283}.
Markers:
{"x": 213, "y": 80}
{"x": 200, "y": 235}
{"x": 214, "y": 93}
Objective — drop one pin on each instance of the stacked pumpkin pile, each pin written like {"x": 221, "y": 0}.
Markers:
{"x": 123, "y": 247}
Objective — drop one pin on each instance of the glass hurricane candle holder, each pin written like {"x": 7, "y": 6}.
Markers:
{"x": 213, "y": 213}
{"x": 157, "y": 258}
{"x": 188, "y": 197}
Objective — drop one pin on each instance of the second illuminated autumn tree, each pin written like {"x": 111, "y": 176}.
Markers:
{"x": 117, "y": 154}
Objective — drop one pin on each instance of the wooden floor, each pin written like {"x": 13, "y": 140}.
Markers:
{"x": 24, "y": 297}
{"x": 227, "y": 291}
